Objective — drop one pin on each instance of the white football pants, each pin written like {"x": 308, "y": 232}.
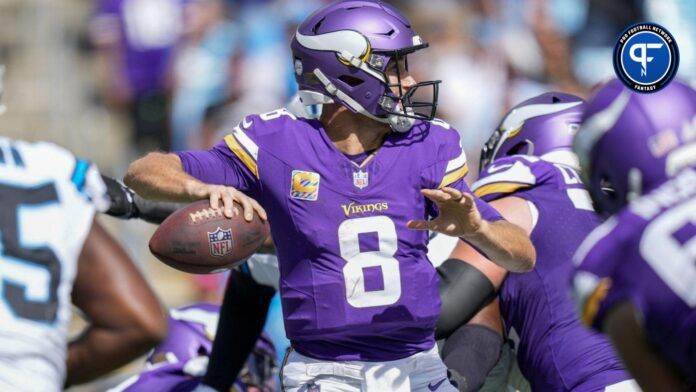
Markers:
{"x": 422, "y": 372}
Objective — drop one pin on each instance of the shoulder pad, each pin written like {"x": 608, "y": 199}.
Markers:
{"x": 450, "y": 150}
{"x": 242, "y": 142}
{"x": 505, "y": 175}
{"x": 441, "y": 123}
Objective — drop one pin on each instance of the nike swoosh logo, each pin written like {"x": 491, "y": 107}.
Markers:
{"x": 518, "y": 116}
{"x": 497, "y": 168}
{"x": 437, "y": 385}
{"x": 246, "y": 124}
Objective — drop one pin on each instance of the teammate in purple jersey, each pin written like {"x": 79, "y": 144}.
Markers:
{"x": 531, "y": 176}
{"x": 359, "y": 296}
{"x": 636, "y": 275}
{"x": 178, "y": 363}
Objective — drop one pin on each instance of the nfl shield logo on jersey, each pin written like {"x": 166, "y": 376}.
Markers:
{"x": 360, "y": 179}
{"x": 220, "y": 242}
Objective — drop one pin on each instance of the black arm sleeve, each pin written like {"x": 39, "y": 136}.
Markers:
{"x": 470, "y": 353}
{"x": 464, "y": 290}
{"x": 242, "y": 317}
{"x": 125, "y": 204}
{"x": 155, "y": 211}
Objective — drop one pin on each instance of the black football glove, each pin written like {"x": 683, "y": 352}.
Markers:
{"x": 122, "y": 199}
{"x": 126, "y": 204}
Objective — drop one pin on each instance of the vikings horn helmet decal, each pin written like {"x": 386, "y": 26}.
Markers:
{"x": 542, "y": 126}
{"x": 341, "y": 53}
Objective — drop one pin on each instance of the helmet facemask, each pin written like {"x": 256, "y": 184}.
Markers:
{"x": 419, "y": 102}
{"x": 490, "y": 148}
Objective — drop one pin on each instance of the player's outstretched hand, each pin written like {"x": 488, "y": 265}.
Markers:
{"x": 458, "y": 216}
{"x": 228, "y": 195}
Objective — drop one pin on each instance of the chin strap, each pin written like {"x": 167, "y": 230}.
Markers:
{"x": 397, "y": 123}
{"x": 401, "y": 124}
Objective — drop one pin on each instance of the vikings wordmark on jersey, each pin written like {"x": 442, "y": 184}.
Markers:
{"x": 355, "y": 281}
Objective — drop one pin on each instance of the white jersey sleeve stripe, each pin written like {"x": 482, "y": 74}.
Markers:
{"x": 506, "y": 173}
{"x": 456, "y": 163}
{"x": 246, "y": 142}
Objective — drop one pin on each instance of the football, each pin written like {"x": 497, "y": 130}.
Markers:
{"x": 199, "y": 239}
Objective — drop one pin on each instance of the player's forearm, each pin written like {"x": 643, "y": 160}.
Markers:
{"x": 505, "y": 244}
{"x": 160, "y": 176}
{"x": 244, "y": 300}
{"x": 101, "y": 350}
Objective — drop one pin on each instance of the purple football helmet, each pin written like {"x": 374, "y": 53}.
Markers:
{"x": 341, "y": 53}
{"x": 542, "y": 126}
{"x": 631, "y": 143}
{"x": 191, "y": 333}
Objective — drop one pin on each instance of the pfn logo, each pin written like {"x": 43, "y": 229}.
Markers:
{"x": 643, "y": 58}
{"x": 646, "y": 57}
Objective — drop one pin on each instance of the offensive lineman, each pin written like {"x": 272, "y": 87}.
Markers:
{"x": 530, "y": 175}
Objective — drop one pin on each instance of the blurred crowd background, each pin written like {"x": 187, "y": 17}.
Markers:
{"x": 112, "y": 79}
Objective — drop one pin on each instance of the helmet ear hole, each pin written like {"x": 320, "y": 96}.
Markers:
{"x": 350, "y": 80}
{"x": 318, "y": 25}
{"x": 520, "y": 148}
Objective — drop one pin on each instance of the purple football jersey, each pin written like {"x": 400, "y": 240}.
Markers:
{"x": 355, "y": 282}
{"x": 556, "y": 352}
{"x": 646, "y": 254}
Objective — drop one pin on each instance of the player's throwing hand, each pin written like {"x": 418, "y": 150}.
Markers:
{"x": 228, "y": 195}
{"x": 458, "y": 216}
